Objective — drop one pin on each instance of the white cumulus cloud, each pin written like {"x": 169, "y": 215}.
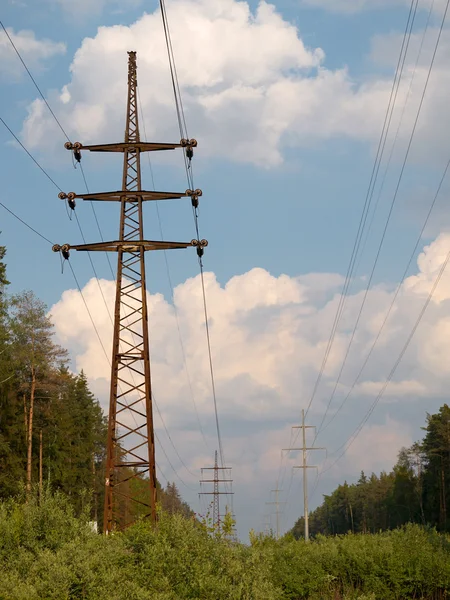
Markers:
{"x": 250, "y": 85}
{"x": 33, "y": 50}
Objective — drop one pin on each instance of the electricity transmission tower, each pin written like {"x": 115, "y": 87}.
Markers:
{"x": 304, "y": 466}
{"x": 131, "y": 444}
{"x": 267, "y": 524}
{"x": 216, "y": 493}
{"x": 277, "y": 510}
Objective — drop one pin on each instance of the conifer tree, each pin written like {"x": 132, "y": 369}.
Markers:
{"x": 35, "y": 358}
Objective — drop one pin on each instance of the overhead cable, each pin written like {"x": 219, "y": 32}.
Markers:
{"x": 366, "y": 207}
{"x": 169, "y": 278}
{"x": 391, "y": 208}
{"x": 189, "y": 174}
{"x": 34, "y": 81}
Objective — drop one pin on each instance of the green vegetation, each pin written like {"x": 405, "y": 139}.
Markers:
{"x": 416, "y": 491}
{"x": 47, "y": 552}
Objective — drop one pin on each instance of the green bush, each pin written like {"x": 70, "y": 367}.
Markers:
{"x": 46, "y": 552}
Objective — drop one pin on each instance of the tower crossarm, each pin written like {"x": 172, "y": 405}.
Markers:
{"x": 218, "y": 480}
{"x": 128, "y": 246}
{"x": 136, "y": 146}
{"x": 216, "y": 493}
{"x": 131, "y": 195}
{"x": 216, "y": 468}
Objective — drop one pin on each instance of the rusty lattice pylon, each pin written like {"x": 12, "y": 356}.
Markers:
{"x": 130, "y": 478}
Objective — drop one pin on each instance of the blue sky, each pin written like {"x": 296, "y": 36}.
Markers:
{"x": 287, "y": 138}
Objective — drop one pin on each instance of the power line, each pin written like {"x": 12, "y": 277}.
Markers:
{"x": 169, "y": 277}
{"x": 380, "y": 191}
{"x": 405, "y": 272}
{"x": 170, "y": 438}
{"x": 94, "y": 269}
{"x": 96, "y": 220}
{"x": 88, "y": 311}
{"x": 76, "y": 216}
{"x": 394, "y": 368}
{"x": 30, "y": 155}
{"x": 189, "y": 174}
{"x": 63, "y": 131}
{"x": 48, "y": 176}
{"x": 49, "y": 241}
{"x": 25, "y": 223}
{"x": 364, "y": 214}
{"x": 388, "y": 217}
{"x": 173, "y": 71}
{"x": 34, "y": 81}
{"x": 171, "y": 465}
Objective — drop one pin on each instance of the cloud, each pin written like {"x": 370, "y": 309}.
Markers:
{"x": 33, "y": 51}
{"x": 251, "y": 87}
{"x": 268, "y": 337}
{"x": 383, "y": 442}
{"x": 399, "y": 389}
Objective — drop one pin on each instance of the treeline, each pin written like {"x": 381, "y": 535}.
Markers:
{"x": 417, "y": 490}
{"x": 52, "y": 429}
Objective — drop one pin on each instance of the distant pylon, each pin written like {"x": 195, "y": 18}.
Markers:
{"x": 130, "y": 446}
{"x": 267, "y": 524}
{"x": 304, "y": 466}
{"x": 277, "y": 510}
{"x": 216, "y": 493}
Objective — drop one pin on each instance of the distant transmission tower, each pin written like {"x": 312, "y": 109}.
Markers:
{"x": 277, "y": 510}
{"x": 216, "y": 493}
{"x": 131, "y": 444}
{"x": 304, "y": 467}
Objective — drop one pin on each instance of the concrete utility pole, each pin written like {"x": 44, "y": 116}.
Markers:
{"x": 216, "y": 493}
{"x": 277, "y": 509}
{"x": 304, "y": 466}
{"x": 131, "y": 444}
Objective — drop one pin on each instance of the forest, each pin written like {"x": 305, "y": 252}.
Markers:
{"x": 382, "y": 538}
{"x": 417, "y": 490}
{"x": 52, "y": 429}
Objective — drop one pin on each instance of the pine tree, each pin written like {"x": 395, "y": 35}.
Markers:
{"x": 3, "y": 280}
{"x": 76, "y": 439}
{"x": 416, "y": 491}
{"x": 35, "y": 357}
{"x": 12, "y": 440}
{"x": 436, "y": 481}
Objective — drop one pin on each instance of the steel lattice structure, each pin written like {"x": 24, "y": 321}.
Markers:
{"x": 130, "y": 478}
{"x": 216, "y": 493}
